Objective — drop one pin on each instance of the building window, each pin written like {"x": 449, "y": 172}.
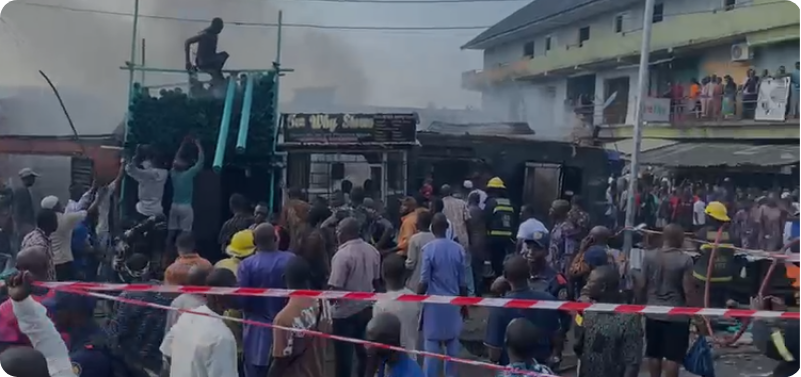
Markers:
{"x": 729, "y": 4}
{"x": 584, "y": 35}
{"x": 548, "y": 40}
{"x": 659, "y": 13}
{"x": 528, "y": 50}
{"x": 619, "y": 22}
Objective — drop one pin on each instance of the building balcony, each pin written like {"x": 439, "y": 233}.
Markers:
{"x": 673, "y": 32}
{"x": 736, "y": 118}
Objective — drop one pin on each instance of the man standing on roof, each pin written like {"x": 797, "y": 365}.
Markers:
{"x": 500, "y": 216}
{"x": 207, "y": 58}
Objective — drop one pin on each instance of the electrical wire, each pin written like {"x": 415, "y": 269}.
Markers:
{"x": 258, "y": 24}
{"x": 664, "y": 16}
{"x": 368, "y": 28}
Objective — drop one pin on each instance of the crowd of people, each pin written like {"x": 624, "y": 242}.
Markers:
{"x": 476, "y": 242}
{"x": 717, "y": 98}
{"x": 760, "y": 219}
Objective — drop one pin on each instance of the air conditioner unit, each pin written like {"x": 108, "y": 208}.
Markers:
{"x": 740, "y": 52}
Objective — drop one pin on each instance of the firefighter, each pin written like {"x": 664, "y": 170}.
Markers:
{"x": 500, "y": 216}
{"x": 716, "y": 234}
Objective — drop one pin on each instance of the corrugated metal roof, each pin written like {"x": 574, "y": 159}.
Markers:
{"x": 539, "y": 11}
{"x": 493, "y": 129}
{"x": 721, "y": 154}
{"x": 627, "y": 146}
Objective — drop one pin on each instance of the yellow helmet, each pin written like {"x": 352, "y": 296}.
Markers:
{"x": 241, "y": 244}
{"x": 496, "y": 183}
{"x": 717, "y": 211}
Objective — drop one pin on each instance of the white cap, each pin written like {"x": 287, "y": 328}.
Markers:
{"x": 49, "y": 202}
{"x": 468, "y": 184}
{"x": 27, "y": 172}
{"x": 785, "y": 195}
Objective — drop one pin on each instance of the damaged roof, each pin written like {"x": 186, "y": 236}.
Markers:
{"x": 721, "y": 154}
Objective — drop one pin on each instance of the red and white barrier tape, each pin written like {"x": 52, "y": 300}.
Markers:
{"x": 794, "y": 258}
{"x": 427, "y": 299}
{"x": 310, "y": 332}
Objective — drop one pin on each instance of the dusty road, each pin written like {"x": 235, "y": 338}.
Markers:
{"x": 741, "y": 362}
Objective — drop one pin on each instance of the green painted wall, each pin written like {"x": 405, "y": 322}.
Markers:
{"x": 676, "y": 31}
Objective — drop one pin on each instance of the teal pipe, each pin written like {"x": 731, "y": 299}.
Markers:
{"x": 219, "y": 153}
{"x": 244, "y": 121}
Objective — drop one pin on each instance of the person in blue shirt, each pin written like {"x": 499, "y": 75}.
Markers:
{"x": 442, "y": 273}
{"x": 88, "y": 352}
{"x": 385, "y": 328}
{"x": 548, "y": 347}
{"x": 521, "y": 343}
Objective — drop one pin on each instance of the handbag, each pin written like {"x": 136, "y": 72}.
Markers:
{"x": 699, "y": 359}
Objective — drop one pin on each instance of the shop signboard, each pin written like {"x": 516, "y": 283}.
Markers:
{"x": 349, "y": 129}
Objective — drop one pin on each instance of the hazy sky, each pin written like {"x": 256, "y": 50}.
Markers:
{"x": 392, "y": 68}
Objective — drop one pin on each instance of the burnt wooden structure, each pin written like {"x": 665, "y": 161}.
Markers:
{"x": 535, "y": 171}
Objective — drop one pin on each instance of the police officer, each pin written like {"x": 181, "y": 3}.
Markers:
{"x": 88, "y": 353}
{"x": 500, "y": 216}
{"x": 545, "y": 279}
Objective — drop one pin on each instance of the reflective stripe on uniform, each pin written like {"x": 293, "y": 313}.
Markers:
{"x": 502, "y": 233}
{"x": 778, "y": 340}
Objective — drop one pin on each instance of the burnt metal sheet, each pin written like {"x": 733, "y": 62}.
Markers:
{"x": 721, "y": 154}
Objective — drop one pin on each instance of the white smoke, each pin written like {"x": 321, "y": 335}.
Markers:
{"x": 82, "y": 52}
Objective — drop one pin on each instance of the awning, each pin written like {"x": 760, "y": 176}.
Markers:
{"x": 770, "y": 36}
{"x": 721, "y": 154}
{"x": 625, "y": 147}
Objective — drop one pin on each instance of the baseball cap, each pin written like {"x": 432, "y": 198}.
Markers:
{"x": 49, "y": 202}
{"x": 537, "y": 236}
{"x": 468, "y": 184}
{"x": 63, "y": 301}
{"x": 27, "y": 172}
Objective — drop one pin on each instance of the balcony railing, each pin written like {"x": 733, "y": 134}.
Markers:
{"x": 733, "y": 110}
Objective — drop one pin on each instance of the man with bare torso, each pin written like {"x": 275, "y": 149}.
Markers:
{"x": 207, "y": 58}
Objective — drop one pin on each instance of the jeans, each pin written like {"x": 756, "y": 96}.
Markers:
{"x": 468, "y": 278}
{"x": 431, "y": 366}
{"x": 351, "y": 327}
{"x": 252, "y": 370}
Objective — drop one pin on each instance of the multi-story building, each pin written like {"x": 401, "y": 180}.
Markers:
{"x": 562, "y": 65}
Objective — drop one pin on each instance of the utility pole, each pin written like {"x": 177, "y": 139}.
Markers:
{"x": 642, "y": 93}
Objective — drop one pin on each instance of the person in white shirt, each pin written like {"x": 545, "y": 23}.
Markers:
{"x": 393, "y": 270}
{"x": 699, "y": 214}
{"x": 40, "y": 330}
{"x": 188, "y": 301}
{"x": 79, "y": 199}
{"x": 482, "y": 195}
{"x": 438, "y": 206}
{"x": 201, "y": 346}
{"x": 528, "y": 226}
{"x": 61, "y": 239}
{"x": 151, "y": 179}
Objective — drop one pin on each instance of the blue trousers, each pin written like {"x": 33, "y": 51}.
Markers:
{"x": 252, "y": 370}
{"x": 431, "y": 366}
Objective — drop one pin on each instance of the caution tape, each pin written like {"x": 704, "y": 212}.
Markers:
{"x": 426, "y": 299}
{"x": 793, "y": 257}
{"x": 309, "y": 332}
